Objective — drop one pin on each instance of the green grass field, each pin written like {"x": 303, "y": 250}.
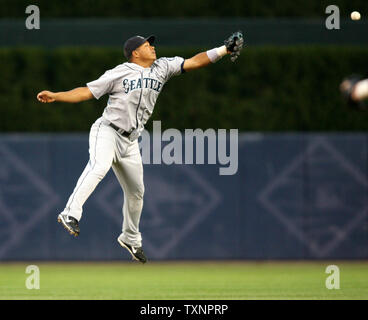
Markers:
{"x": 184, "y": 281}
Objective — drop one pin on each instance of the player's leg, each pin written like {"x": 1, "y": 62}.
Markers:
{"x": 101, "y": 151}
{"x": 129, "y": 172}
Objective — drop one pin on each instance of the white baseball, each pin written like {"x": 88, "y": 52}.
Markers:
{"x": 355, "y": 15}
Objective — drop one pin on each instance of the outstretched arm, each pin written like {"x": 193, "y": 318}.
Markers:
{"x": 204, "y": 58}
{"x": 72, "y": 96}
{"x": 232, "y": 46}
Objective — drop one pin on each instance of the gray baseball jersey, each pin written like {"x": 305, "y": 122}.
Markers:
{"x": 133, "y": 91}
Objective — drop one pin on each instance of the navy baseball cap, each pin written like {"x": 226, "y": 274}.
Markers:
{"x": 134, "y": 42}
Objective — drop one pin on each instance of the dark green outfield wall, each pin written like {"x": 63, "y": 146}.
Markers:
{"x": 267, "y": 89}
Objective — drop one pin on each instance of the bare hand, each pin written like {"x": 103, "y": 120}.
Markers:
{"x": 46, "y": 96}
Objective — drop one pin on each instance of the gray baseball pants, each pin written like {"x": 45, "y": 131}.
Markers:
{"x": 107, "y": 148}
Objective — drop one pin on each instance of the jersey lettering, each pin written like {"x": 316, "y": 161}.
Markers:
{"x": 148, "y": 83}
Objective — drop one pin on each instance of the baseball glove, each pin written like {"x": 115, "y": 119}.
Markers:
{"x": 346, "y": 88}
{"x": 234, "y": 44}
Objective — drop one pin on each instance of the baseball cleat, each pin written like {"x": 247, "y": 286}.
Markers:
{"x": 136, "y": 252}
{"x": 69, "y": 223}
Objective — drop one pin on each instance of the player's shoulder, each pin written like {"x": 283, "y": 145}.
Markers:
{"x": 167, "y": 59}
{"x": 121, "y": 67}
{"x": 118, "y": 70}
{"x": 158, "y": 62}
{"x": 164, "y": 62}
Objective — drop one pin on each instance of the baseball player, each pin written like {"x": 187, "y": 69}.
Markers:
{"x": 133, "y": 88}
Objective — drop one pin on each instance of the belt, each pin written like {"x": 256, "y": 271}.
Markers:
{"x": 120, "y": 131}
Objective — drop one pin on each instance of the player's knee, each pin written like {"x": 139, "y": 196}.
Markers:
{"x": 137, "y": 193}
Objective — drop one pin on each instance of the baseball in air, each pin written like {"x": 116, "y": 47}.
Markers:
{"x": 355, "y": 15}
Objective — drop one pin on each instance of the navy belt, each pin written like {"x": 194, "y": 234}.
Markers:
{"x": 120, "y": 131}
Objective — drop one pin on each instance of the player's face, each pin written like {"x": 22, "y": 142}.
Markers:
{"x": 146, "y": 51}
